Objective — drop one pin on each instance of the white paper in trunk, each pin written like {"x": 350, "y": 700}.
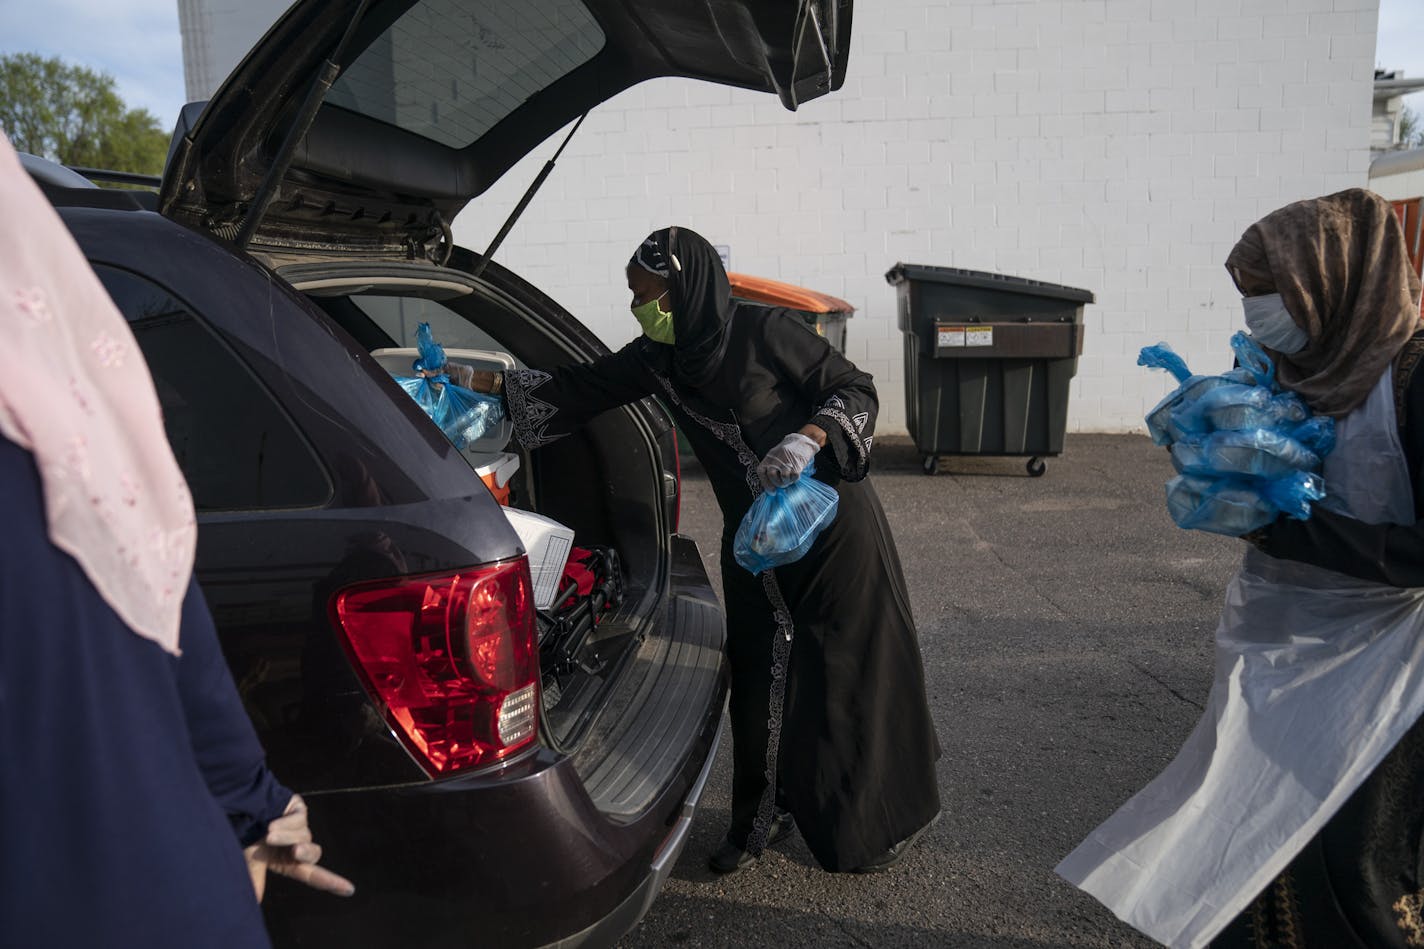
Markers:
{"x": 548, "y": 544}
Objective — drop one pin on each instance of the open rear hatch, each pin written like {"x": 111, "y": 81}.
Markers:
{"x": 364, "y": 126}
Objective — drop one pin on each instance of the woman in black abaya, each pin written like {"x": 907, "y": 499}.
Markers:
{"x": 829, "y": 720}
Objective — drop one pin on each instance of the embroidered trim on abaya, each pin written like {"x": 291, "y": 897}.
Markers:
{"x": 852, "y": 429}
{"x": 731, "y": 434}
{"x": 530, "y": 415}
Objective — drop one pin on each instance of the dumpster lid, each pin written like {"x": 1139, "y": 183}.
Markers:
{"x": 987, "y": 280}
{"x": 776, "y": 293}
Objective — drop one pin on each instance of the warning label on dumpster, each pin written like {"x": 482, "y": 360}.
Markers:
{"x": 951, "y": 336}
{"x": 965, "y": 335}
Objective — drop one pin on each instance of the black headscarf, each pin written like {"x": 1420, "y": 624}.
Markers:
{"x": 700, "y": 295}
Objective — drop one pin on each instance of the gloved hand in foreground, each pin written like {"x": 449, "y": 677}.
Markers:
{"x": 783, "y": 464}
{"x": 288, "y": 849}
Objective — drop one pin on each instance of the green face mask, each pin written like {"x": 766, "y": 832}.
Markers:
{"x": 656, "y": 322}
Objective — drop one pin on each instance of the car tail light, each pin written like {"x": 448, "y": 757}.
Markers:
{"x": 452, "y": 659}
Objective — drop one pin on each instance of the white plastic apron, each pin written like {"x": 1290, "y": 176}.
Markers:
{"x": 1318, "y": 676}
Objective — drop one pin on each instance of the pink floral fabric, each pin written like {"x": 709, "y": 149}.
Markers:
{"x": 75, "y": 391}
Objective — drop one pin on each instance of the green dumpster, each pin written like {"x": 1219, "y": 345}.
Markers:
{"x": 988, "y": 361}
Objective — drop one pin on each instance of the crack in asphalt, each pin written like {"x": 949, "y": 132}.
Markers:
{"x": 1142, "y": 669}
{"x": 1028, "y": 581}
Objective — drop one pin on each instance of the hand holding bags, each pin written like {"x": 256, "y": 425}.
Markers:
{"x": 783, "y": 523}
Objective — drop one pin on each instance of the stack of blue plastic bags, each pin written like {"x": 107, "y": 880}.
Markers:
{"x": 1245, "y": 451}
{"x": 464, "y": 415}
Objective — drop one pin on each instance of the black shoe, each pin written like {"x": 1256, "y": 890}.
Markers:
{"x": 729, "y": 858}
{"x": 892, "y": 856}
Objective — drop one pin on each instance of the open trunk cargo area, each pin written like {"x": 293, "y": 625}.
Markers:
{"x": 618, "y": 690}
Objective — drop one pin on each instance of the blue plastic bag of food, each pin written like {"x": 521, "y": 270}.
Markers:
{"x": 1238, "y": 506}
{"x": 1316, "y": 433}
{"x": 1231, "y": 401}
{"x": 1247, "y": 397}
{"x": 464, "y": 415}
{"x": 1161, "y": 356}
{"x": 783, "y": 523}
{"x": 425, "y": 390}
{"x": 1245, "y": 450}
{"x": 1253, "y": 359}
{"x": 1163, "y": 422}
{"x": 421, "y": 389}
{"x": 432, "y": 354}
{"x": 1237, "y": 407}
{"x": 1257, "y": 453}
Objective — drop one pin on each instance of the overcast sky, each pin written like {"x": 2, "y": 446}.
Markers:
{"x": 137, "y": 42}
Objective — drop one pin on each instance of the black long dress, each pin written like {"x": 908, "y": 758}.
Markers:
{"x": 829, "y": 716}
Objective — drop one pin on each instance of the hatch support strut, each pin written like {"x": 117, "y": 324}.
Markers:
{"x": 524, "y": 201}
{"x": 300, "y": 124}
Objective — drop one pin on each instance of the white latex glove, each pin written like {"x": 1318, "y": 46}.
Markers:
{"x": 784, "y": 463}
{"x": 288, "y": 849}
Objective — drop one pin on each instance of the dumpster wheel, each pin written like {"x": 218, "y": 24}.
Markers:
{"x": 1036, "y": 467}
{"x": 931, "y": 465}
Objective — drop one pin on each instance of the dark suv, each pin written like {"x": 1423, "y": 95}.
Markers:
{"x": 372, "y": 599}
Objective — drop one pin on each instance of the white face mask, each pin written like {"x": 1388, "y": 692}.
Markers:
{"x": 1271, "y": 324}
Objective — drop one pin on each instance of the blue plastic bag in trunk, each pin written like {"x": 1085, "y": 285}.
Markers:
{"x": 464, "y": 415}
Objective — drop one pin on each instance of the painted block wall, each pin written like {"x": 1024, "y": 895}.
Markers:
{"x": 1115, "y": 145}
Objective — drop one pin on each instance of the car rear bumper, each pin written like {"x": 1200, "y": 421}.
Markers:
{"x": 516, "y": 860}
{"x": 608, "y": 930}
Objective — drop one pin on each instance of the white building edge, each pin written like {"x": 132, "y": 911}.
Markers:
{"x": 1395, "y": 172}
{"x": 1120, "y": 146}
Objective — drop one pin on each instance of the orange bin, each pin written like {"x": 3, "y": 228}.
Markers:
{"x": 496, "y": 474}
{"x": 827, "y": 314}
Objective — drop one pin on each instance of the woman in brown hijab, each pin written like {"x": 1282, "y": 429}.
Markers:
{"x": 1342, "y": 271}
{"x": 1293, "y": 814}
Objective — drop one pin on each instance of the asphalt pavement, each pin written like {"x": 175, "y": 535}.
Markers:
{"x": 1066, "y": 627}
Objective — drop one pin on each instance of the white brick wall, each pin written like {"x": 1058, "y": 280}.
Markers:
{"x": 1116, "y": 145}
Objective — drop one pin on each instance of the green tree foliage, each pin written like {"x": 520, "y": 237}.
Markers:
{"x": 72, "y": 115}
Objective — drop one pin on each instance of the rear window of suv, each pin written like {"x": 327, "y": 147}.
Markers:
{"x": 399, "y": 317}
{"x": 450, "y": 70}
{"x": 235, "y": 445}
